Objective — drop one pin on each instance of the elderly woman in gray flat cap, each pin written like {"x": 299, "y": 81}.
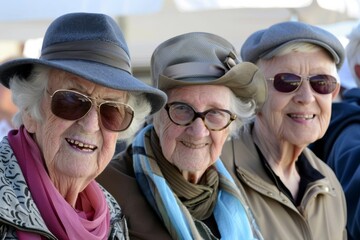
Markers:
{"x": 74, "y": 103}
{"x": 293, "y": 194}
{"x": 178, "y": 187}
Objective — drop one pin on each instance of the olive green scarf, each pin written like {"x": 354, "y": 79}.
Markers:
{"x": 199, "y": 198}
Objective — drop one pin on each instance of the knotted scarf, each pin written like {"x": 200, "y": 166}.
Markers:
{"x": 91, "y": 218}
{"x": 233, "y": 218}
{"x": 199, "y": 198}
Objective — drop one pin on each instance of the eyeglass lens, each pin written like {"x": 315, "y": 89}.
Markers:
{"x": 215, "y": 119}
{"x": 288, "y": 82}
{"x": 71, "y": 105}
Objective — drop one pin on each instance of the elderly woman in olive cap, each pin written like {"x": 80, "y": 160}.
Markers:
{"x": 180, "y": 188}
{"x": 293, "y": 194}
{"x": 74, "y": 103}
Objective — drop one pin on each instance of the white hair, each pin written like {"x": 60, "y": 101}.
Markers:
{"x": 353, "y": 51}
{"x": 245, "y": 112}
{"x": 28, "y": 94}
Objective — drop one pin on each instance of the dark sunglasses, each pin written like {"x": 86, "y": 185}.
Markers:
{"x": 72, "y": 105}
{"x": 289, "y": 82}
{"x": 214, "y": 119}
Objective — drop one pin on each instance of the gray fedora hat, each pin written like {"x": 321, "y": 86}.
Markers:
{"x": 265, "y": 43}
{"x": 91, "y": 46}
{"x": 200, "y": 58}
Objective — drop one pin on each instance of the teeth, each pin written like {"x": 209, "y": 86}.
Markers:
{"x": 190, "y": 145}
{"x": 81, "y": 144}
{"x": 306, "y": 116}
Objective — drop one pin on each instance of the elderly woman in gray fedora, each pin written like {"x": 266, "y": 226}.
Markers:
{"x": 293, "y": 194}
{"x": 179, "y": 186}
{"x": 74, "y": 103}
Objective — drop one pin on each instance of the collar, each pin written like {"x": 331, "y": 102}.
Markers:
{"x": 307, "y": 173}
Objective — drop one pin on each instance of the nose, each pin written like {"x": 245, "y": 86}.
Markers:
{"x": 90, "y": 122}
{"x": 305, "y": 93}
{"x": 197, "y": 128}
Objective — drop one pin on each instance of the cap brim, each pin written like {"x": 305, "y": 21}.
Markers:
{"x": 98, "y": 73}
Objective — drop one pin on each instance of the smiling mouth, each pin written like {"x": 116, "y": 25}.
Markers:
{"x": 195, "y": 146}
{"x": 80, "y": 145}
{"x": 302, "y": 116}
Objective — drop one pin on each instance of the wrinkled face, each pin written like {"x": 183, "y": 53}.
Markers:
{"x": 74, "y": 149}
{"x": 303, "y": 116}
{"x": 193, "y": 148}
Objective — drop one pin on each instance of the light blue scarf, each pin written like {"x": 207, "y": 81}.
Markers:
{"x": 233, "y": 218}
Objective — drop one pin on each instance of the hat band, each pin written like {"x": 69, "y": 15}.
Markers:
{"x": 97, "y": 51}
{"x": 194, "y": 69}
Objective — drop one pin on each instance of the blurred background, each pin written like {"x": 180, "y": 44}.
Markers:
{"x": 146, "y": 23}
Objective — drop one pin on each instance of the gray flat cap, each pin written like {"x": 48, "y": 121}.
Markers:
{"x": 264, "y": 43}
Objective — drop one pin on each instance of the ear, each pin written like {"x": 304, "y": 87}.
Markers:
{"x": 357, "y": 70}
{"x": 29, "y": 122}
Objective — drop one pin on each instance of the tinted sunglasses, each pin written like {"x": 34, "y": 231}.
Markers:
{"x": 288, "y": 82}
{"x": 72, "y": 105}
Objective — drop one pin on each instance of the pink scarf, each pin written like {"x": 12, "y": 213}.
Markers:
{"x": 90, "y": 219}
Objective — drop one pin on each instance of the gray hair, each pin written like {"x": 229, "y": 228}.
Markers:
{"x": 245, "y": 112}
{"x": 28, "y": 94}
{"x": 353, "y": 51}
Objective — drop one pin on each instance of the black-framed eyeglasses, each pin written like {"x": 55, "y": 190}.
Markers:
{"x": 72, "y": 105}
{"x": 289, "y": 82}
{"x": 214, "y": 119}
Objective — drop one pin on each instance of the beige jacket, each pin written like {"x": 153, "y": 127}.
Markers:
{"x": 321, "y": 214}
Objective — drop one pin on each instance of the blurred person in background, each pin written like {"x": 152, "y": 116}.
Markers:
{"x": 347, "y": 81}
